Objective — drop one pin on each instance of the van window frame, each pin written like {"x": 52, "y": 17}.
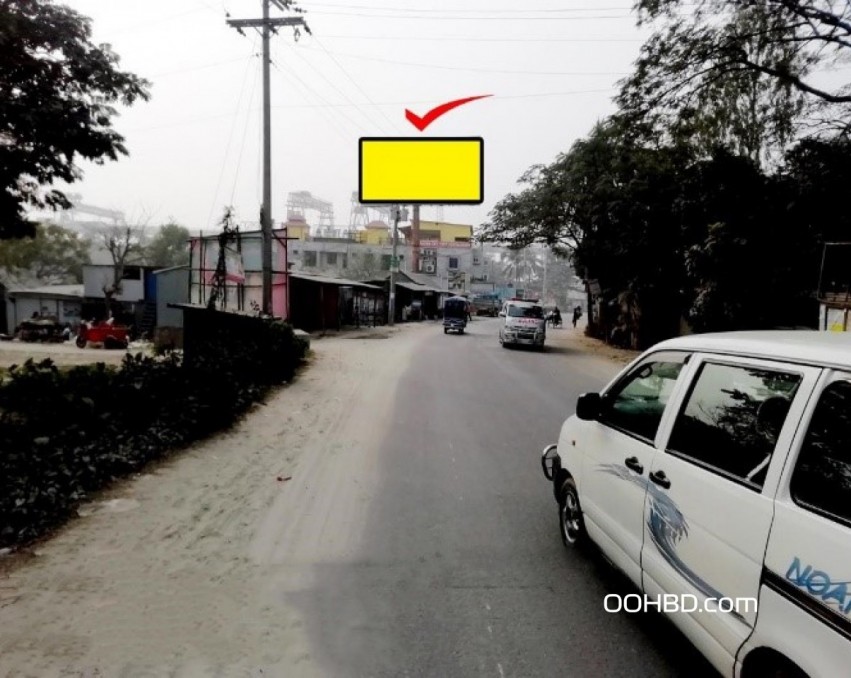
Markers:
{"x": 806, "y": 506}
{"x": 717, "y": 358}
{"x": 687, "y": 355}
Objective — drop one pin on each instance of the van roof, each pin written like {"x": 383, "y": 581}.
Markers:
{"x": 800, "y": 346}
{"x": 522, "y": 302}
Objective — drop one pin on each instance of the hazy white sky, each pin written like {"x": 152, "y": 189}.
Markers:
{"x": 195, "y": 146}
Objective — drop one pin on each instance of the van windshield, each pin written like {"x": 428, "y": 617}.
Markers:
{"x": 525, "y": 312}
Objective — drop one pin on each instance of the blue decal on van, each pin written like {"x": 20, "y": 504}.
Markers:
{"x": 819, "y": 584}
{"x": 667, "y": 526}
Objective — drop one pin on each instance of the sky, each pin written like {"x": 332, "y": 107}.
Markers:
{"x": 551, "y": 68}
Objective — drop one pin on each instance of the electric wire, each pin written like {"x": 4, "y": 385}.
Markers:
{"x": 426, "y": 10}
{"x": 233, "y": 129}
{"x": 333, "y": 85}
{"x": 353, "y": 81}
{"x": 244, "y": 134}
{"x": 307, "y": 91}
{"x": 477, "y": 70}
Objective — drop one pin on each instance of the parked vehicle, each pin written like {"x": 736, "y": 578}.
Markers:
{"x": 455, "y": 311}
{"x": 523, "y": 322}
{"x": 486, "y": 304}
{"x": 719, "y": 466}
{"x": 44, "y": 328}
{"x": 105, "y": 334}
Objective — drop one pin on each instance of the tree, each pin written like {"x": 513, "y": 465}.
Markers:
{"x": 169, "y": 247}
{"x": 125, "y": 245}
{"x": 54, "y": 256}
{"x": 522, "y": 266}
{"x": 608, "y": 202}
{"x": 741, "y": 72}
{"x": 57, "y": 96}
{"x": 363, "y": 266}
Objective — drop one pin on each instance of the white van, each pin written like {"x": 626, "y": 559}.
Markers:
{"x": 522, "y": 322}
{"x": 719, "y": 466}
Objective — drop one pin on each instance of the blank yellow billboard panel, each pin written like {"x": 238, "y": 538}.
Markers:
{"x": 422, "y": 170}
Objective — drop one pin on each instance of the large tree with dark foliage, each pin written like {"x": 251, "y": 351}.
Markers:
{"x": 54, "y": 256}
{"x": 668, "y": 233}
{"x": 743, "y": 72}
{"x": 168, "y": 247}
{"x": 57, "y": 97}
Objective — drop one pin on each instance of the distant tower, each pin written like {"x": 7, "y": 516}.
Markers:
{"x": 299, "y": 201}
{"x": 361, "y": 214}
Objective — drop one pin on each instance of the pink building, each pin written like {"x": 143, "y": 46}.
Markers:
{"x": 244, "y": 272}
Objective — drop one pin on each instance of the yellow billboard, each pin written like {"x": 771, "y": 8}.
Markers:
{"x": 410, "y": 170}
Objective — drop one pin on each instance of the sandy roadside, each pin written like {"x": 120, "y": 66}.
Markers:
{"x": 185, "y": 570}
{"x": 188, "y": 569}
{"x": 64, "y": 354}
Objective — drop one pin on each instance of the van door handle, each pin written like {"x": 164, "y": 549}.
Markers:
{"x": 634, "y": 464}
{"x": 660, "y": 479}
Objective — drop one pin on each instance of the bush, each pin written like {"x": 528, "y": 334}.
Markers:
{"x": 66, "y": 433}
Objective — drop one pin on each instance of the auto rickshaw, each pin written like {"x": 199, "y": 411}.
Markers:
{"x": 455, "y": 310}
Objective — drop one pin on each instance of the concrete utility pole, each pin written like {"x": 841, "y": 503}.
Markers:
{"x": 394, "y": 267}
{"x": 415, "y": 239}
{"x": 267, "y": 26}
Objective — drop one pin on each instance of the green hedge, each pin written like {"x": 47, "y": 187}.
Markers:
{"x": 66, "y": 433}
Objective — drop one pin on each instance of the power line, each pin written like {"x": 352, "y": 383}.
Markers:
{"x": 351, "y": 79}
{"x": 465, "y": 39}
{"x": 315, "y": 95}
{"x": 233, "y": 128}
{"x": 421, "y": 10}
{"x": 471, "y": 70}
{"x": 333, "y": 86}
{"x": 481, "y": 17}
{"x": 244, "y": 135}
{"x": 329, "y": 105}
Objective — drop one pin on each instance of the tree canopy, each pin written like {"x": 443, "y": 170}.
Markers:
{"x": 742, "y": 73}
{"x": 708, "y": 196}
{"x": 169, "y": 247}
{"x": 54, "y": 255}
{"x": 57, "y": 97}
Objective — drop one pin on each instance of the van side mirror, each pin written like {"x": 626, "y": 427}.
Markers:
{"x": 501, "y": 314}
{"x": 588, "y": 406}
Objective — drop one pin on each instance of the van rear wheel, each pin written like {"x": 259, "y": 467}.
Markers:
{"x": 571, "y": 525}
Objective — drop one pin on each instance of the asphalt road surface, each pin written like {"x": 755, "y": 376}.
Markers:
{"x": 461, "y": 570}
{"x": 385, "y": 515}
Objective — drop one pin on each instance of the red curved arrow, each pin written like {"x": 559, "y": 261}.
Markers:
{"x": 422, "y": 122}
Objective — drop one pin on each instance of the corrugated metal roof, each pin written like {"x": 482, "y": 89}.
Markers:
{"x": 342, "y": 282}
{"x": 414, "y": 287}
{"x": 50, "y": 291}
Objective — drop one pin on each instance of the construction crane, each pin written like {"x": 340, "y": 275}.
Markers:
{"x": 69, "y": 217}
{"x": 362, "y": 214}
{"x": 300, "y": 201}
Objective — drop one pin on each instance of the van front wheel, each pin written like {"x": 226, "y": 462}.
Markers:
{"x": 571, "y": 525}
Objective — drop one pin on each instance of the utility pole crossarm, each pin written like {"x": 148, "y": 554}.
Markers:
{"x": 259, "y": 23}
{"x": 267, "y": 25}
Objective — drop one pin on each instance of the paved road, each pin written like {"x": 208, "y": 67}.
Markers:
{"x": 460, "y": 570}
{"x": 383, "y": 516}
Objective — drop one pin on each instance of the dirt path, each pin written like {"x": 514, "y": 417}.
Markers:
{"x": 185, "y": 570}
{"x": 192, "y": 568}
{"x": 64, "y": 354}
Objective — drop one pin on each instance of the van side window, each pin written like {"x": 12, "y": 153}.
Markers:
{"x": 822, "y": 477}
{"x": 732, "y": 418}
{"x": 636, "y": 404}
